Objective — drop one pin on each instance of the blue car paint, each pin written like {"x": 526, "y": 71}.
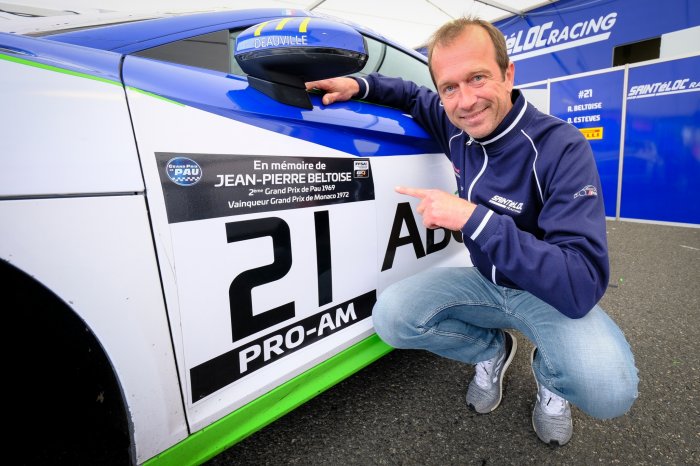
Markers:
{"x": 354, "y": 127}
{"x": 135, "y": 36}
{"x": 86, "y": 61}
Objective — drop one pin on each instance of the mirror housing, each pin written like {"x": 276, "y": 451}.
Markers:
{"x": 281, "y": 55}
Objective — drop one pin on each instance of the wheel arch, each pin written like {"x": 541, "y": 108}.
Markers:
{"x": 66, "y": 386}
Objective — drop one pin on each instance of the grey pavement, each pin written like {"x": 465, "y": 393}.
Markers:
{"x": 408, "y": 408}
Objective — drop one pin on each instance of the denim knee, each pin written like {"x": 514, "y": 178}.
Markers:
{"x": 610, "y": 397}
{"x": 616, "y": 401}
{"x": 389, "y": 319}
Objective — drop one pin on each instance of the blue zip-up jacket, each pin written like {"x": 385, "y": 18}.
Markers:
{"x": 539, "y": 224}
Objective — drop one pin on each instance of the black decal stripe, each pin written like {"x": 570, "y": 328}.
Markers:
{"x": 323, "y": 257}
{"x": 225, "y": 369}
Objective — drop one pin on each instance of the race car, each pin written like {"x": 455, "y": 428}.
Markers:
{"x": 191, "y": 242}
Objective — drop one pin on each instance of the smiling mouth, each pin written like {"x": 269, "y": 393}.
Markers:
{"x": 474, "y": 115}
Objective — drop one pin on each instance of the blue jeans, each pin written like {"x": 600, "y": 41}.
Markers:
{"x": 459, "y": 314}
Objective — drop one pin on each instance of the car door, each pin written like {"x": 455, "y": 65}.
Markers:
{"x": 276, "y": 227}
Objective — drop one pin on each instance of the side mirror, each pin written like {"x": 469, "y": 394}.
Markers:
{"x": 280, "y": 56}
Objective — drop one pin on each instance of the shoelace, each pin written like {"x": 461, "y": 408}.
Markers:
{"x": 485, "y": 376}
{"x": 551, "y": 404}
{"x": 483, "y": 373}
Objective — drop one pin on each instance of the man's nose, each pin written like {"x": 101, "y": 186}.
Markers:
{"x": 467, "y": 98}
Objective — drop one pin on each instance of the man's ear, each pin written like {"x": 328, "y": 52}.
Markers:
{"x": 510, "y": 76}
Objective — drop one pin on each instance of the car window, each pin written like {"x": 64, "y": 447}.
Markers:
{"x": 214, "y": 51}
{"x": 210, "y": 51}
{"x": 391, "y": 61}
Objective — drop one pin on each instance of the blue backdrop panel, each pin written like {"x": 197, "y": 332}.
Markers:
{"x": 594, "y": 105}
{"x": 661, "y": 171}
{"x": 575, "y": 36}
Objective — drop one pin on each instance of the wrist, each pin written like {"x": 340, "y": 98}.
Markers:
{"x": 467, "y": 212}
{"x": 362, "y": 87}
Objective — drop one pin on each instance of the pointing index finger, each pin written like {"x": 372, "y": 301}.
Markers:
{"x": 415, "y": 192}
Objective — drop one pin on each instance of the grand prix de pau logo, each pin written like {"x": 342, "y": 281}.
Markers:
{"x": 183, "y": 171}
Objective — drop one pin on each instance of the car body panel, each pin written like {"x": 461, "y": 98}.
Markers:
{"x": 47, "y": 108}
{"x": 113, "y": 285}
{"x": 204, "y": 263}
{"x": 354, "y": 127}
{"x": 67, "y": 57}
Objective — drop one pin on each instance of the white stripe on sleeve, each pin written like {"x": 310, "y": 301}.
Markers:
{"x": 482, "y": 225}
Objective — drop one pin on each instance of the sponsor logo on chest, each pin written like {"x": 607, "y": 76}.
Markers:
{"x": 507, "y": 204}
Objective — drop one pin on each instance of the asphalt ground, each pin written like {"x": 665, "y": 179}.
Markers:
{"x": 409, "y": 407}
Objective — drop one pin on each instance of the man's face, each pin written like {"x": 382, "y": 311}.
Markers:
{"x": 475, "y": 94}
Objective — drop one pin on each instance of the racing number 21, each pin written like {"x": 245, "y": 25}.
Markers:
{"x": 243, "y": 322}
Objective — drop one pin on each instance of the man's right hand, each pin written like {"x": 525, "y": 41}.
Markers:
{"x": 337, "y": 89}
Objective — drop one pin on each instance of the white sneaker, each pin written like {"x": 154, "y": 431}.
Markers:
{"x": 486, "y": 388}
{"x": 551, "y": 416}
